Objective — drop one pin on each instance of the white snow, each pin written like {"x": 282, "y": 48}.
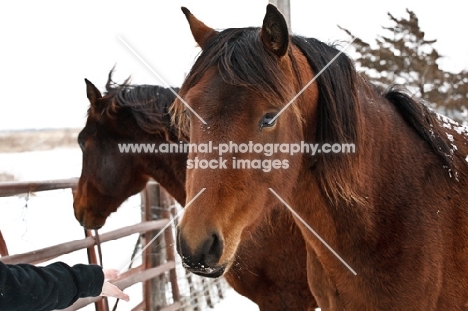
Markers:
{"x": 461, "y": 129}
{"x": 446, "y": 120}
{"x": 42, "y": 165}
{"x": 449, "y": 123}
{"x": 449, "y": 136}
{"x": 235, "y": 302}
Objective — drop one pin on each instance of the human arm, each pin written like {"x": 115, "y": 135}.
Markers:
{"x": 56, "y": 286}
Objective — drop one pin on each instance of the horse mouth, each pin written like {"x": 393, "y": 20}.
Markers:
{"x": 202, "y": 270}
{"x": 88, "y": 226}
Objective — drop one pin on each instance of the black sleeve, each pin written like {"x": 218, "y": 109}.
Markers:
{"x": 56, "y": 286}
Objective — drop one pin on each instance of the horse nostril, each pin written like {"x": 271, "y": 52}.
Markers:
{"x": 213, "y": 249}
{"x": 207, "y": 254}
{"x": 217, "y": 246}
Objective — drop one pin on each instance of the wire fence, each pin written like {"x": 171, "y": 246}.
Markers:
{"x": 196, "y": 293}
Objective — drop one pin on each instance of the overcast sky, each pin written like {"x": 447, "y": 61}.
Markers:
{"x": 49, "y": 47}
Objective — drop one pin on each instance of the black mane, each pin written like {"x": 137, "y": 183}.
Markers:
{"x": 149, "y": 104}
{"x": 242, "y": 60}
{"x": 423, "y": 121}
{"x": 339, "y": 103}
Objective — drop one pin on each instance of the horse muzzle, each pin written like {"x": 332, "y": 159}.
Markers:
{"x": 204, "y": 259}
{"x": 87, "y": 219}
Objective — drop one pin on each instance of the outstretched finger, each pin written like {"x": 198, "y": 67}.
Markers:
{"x": 110, "y": 290}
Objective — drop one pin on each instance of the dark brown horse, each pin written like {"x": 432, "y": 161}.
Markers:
{"x": 394, "y": 211}
{"x": 138, "y": 114}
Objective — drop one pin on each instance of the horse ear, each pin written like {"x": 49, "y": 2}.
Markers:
{"x": 92, "y": 93}
{"x": 201, "y": 33}
{"x": 274, "y": 33}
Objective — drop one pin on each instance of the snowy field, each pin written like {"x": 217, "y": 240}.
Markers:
{"x": 46, "y": 218}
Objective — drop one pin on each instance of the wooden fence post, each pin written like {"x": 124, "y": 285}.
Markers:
{"x": 103, "y": 304}
{"x": 167, "y": 203}
{"x": 154, "y": 289}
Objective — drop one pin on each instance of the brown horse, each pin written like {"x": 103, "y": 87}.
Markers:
{"x": 394, "y": 211}
{"x": 138, "y": 114}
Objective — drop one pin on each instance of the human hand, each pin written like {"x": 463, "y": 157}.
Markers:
{"x": 109, "y": 289}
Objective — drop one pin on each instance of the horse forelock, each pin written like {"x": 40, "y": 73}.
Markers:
{"x": 241, "y": 60}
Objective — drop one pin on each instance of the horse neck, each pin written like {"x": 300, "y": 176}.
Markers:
{"x": 169, "y": 172}
{"x": 168, "y": 169}
{"x": 392, "y": 158}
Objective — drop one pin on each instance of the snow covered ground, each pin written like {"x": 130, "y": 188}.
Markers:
{"x": 235, "y": 302}
{"x": 46, "y": 218}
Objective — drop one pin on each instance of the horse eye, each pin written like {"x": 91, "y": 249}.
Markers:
{"x": 266, "y": 120}
{"x": 80, "y": 140}
{"x": 81, "y": 143}
{"x": 187, "y": 113}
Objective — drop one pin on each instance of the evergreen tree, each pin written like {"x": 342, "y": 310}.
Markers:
{"x": 406, "y": 57}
